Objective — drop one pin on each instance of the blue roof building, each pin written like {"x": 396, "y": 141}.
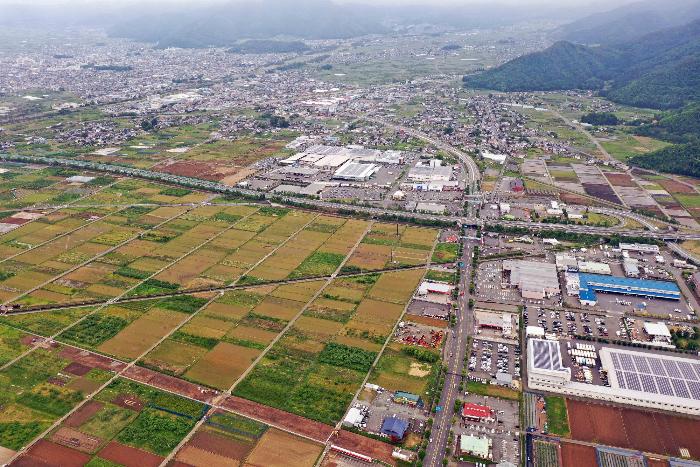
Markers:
{"x": 589, "y": 284}
{"x": 394, "y": 428}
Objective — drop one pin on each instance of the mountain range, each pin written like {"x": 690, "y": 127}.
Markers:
{"x": 659, "y": 70}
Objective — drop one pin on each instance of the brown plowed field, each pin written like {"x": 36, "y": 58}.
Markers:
{"x": 673, "y": 186}
{"x": 220, "y": 445}
{"x": 275, "y": 417}
{"x": 634, "y": 429}
{"x": 367, "y": 446}
{"x": 601, "y": 191}
{"x": 74, "y": 439}
{"x": 128, "y": 456}
{"x": 620, "y": 179}
{"x": 91, "y": 360}
{"x": 169, "y": 383}
{"x": 83, "y": 414}
{"x": 576, "y": 455}
{"x": 77, "y": 369}
{"x": 46, "y": 453}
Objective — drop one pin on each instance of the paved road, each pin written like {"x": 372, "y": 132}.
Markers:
{"x": 455, "y": 353}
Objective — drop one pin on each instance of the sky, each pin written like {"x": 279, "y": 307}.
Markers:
{"x": 602, "y": 3}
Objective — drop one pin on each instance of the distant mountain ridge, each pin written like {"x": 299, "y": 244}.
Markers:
{"x": 660, "y": 70}
{"x": 629, "y": 22}
{"x": 224, "y": 25}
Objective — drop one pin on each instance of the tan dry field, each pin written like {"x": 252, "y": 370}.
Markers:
{"x": 138, "y": 336}
{"x": 345, "y": 237}
{"x": 279, "y": 449}
{"x": 224, "y": 311}
{"x": 319, "y": 329}
{"x": 280, "y": 308}
{"x": 368, "y": 256}
{"x": 300, "y": 292}
{"x": 174, "y": 356}
{"x": 222, "y": 365}
{"x": 396, "y": 287}
{"x": 208, "y": 327}
{"x": 260, "y": 336}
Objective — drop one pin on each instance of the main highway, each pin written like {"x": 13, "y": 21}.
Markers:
{"x": 454, "y": 353}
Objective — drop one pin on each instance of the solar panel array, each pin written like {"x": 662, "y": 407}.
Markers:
{"x": 657, "y": 375}
{"x": 546, "y": 355}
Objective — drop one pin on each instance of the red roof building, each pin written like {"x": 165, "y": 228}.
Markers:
{"x": 476, "y": 412}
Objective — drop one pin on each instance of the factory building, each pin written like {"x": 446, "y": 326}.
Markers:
{"x": 534, "y": 279}
{"x": 590, "y": 284}
{"x": 355, "y": 171}
{"x": 640, "y": 248}
{"x": 652, "y": 380}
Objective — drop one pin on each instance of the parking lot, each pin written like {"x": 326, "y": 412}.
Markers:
{"x": 488, "y": 358}
{"x": 489, "y": 284}
{"x": 504, "y": 430}
{"x": 380, "y": 406}
{"x": 574, "y": 323}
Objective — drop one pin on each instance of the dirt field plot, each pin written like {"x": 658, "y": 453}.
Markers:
{"x": 142, "y": 333}
{"x": 576, "y": 455}
{"x": 128, "y": 456}
{"x": 46, "y": 453}
{"x": 634, "y": 429}
{"x": 221, "y": 366}
{"x": 278, "y": 448}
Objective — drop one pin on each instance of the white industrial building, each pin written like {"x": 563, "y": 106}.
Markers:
{"x": 534, "y": 279}
{"x": 432, "y": 171}
{"x": 640, "y": 248}
{"x": 658, "y": 332}
{"x": 594, "y": 267}
{"x": 652, "y": 380}
{"x": 431, "y": 208}
{"x": 355, "y": 171}
{"x": 566, "y": 262}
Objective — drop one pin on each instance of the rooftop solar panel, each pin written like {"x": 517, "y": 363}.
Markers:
{"x": 621, "y": 379}
{"x": 696, "y": 367}
{"x": 648, "y": 384}
{"x": 687, "y": 371}
{"x": 641, "y": 363}
{"x": 664, "y": 386}
{"x": 633, "y": 381}
{"x": 694, "y": 388}
{"x": 656, "y": 367}
{"x": 627, "y": 363}
{"x": 680, "y": 388}
{"x": 615, "y": 361}
{"x": 672, "y": 369}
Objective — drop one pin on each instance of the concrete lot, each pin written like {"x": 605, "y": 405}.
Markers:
{"x": 505, "y": 431}
{"x": 488, "y": 358}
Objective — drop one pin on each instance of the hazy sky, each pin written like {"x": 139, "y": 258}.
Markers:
{"x": 608, "y": 3}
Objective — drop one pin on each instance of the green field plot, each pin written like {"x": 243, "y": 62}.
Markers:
{"x": 11, "y": 344}
{"x": 399, "y": 371}
{"x": 35, "y": 391}
{"x": 557, "y": 416}
{"x": 47, "y": 323}
{"x": 446, "y": 253}
{"x": 623, "y": 146}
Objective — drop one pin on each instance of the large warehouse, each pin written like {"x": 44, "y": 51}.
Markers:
{"x": 355, "y": 171}
{"x": 653, "y": 380}
{"x": 589, "y": 284}
{"x": 534, "y": 279}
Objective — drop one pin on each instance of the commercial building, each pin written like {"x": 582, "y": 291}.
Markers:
{"x": 534, "y": 279}
{"x": 590, "y": 284}
{"x": 658, "y": 332}
{"x": 593, "y": 267}
{"x": 652, "y": 380}
{"x": 395, "y": 428}
{"x": 431, "y": 208}
{"x": 476, "y": 412}
{"x": 433, "y": 171}
{"x": 427, "y": 287}
{"x": 500, "y": 321}
{"x": 631, "y": 267}
{"x": 355, "y": 171}
{"x": 475, "y": 446}
{"x": 406, "y": 398}
{"x": 566, "y": 262}
{"x": 640, "y": 248}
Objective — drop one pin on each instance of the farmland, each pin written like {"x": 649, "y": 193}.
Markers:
{"x": 276, "y": 306}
